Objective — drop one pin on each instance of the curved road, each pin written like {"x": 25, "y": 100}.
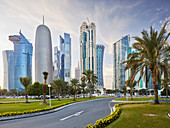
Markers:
{"x": 77, "y": 115}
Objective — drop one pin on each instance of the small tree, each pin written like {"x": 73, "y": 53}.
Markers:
{"x": 25, "y": 81}
{"x": 35, "y": 89}
{"x": 57, "y": 86}
{"x": 83, "y": 85}
{"x": 74, "y": 84}
{"x": 45, "y": 86}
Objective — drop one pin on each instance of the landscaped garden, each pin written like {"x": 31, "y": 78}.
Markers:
{"x": 143, "y": 116}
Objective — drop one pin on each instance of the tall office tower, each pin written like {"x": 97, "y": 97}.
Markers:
{"x": 77, "y": 73}
{"x": 65, "y": 57}
{"x": 88, "y": 47}
{"x": 43, "y": 54}
{"x": 119, "y": 55}
{"x": 22, "y": 58}
{"x": 56, "y": 74}
{"x": 8, "y": 62}
{"x": 100, "y": 54}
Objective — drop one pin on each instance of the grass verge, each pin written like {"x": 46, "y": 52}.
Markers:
{"x": 137, "y": 116}
{"x": 15, "y": 107}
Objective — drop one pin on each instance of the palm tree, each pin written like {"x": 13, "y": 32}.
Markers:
{"x": 149, "y": 47}
{"x": 57, "y": 86}
{"x": 124, "y": 90}
{"x": 25, "y": 81}
{"x": 45, "y": 86}
{"x": 74, "y": 83}
{"x": 91, "y": 79}
{"x": 83, "y": 85}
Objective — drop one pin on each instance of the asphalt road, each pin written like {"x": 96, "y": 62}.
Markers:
{"x": 76, "y": 116}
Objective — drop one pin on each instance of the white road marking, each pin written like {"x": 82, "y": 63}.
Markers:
{"x": 76, "y": 114}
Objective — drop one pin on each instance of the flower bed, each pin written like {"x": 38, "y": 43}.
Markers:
{"x": 101, "y": 123}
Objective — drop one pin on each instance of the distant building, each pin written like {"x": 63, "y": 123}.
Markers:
{"x": 43, "y": 54}
{"x": 100, "y": 55}
{"x": 17, "y": 63}
{"x": 56, "y": 73}
{"x": 8, "y": 62}
{"x": 65, "y": 57}
{"x": 119, "y": 55}
{"x": 77, "y": 73}
{"x": 143, "y": 81}
{"x": 88, "y": 47}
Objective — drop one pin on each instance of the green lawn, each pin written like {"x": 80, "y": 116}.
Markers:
{"x": 138, "y": 99}
{"x": 15, "y": 107}
{"x": 135, "y": 99}
{"x": 133, "y": 116}
{"x": 13, "y": 99}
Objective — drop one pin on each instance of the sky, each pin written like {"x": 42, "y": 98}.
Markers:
{"x": 113, "y": 18}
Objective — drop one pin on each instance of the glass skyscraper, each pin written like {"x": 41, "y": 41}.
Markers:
{"x": 88, "y": 47}
{"x": 100, "y": 54}
{"x": 56, "y": 74}
{"x": 22, "y": 59}
{"x": 65, "y": 55}
{"x": 119, "y": 55}
{"x": 8, "y": 61}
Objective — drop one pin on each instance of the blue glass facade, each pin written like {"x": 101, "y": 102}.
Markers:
{"x": 65, "y": 55}
{"x": 56, "y": 74}
{"x": 100, "y": 55}
{"x": 119, "y": 55}
{"x": 22, "y": 58}
{"x": 8, "y": 60}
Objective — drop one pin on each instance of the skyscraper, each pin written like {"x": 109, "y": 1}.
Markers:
{"x": 77, "y": 73}
{"x": 119, "y": 55}
{"x": 88, "y": 47}
{"x": 56, "y": 74}
{"x": 8, "y": 62}
{"x": 100, "y": 54}
{"x": 43, "y": 54}
{"x": 22, "y": 59}
{"x": 65, "y": 56}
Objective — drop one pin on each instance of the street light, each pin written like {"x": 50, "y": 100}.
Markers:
{"x": 49, "y": 94}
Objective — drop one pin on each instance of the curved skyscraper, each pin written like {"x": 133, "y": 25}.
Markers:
{"x": 100, "y": 54}
{"x": 43, "y": 54}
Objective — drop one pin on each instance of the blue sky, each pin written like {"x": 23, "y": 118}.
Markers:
{"x": 113, "y": 19}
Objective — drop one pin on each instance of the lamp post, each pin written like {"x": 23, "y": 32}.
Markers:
{"x": 49, "y": 94}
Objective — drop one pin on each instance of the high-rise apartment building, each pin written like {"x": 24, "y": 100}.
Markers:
{"x": 22, "y": 60}
{"x": 119, "y": 55}
{"x": 100, "y": 54}
{"x": 65, "y": 57}
{"x": 88, "y": 47}
{"x": 8, "y": 63}
{"x": 43, "y": 54}
{"x": 56, "y": 73}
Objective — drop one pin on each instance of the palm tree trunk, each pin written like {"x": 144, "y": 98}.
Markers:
{"x": 44, "y": 92}
{"x": 90, "y": 93}
{"x": 74, "y": 94}
{"x": 131, "y": 94}
{"x": 124, "y": 94}
{"x": 166, "y": 91}
{"x": 83, "y": 93}
{"x": 155, "y": 87}
{"x": 58, "y": 94}
{"x": 26, "y": 96}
